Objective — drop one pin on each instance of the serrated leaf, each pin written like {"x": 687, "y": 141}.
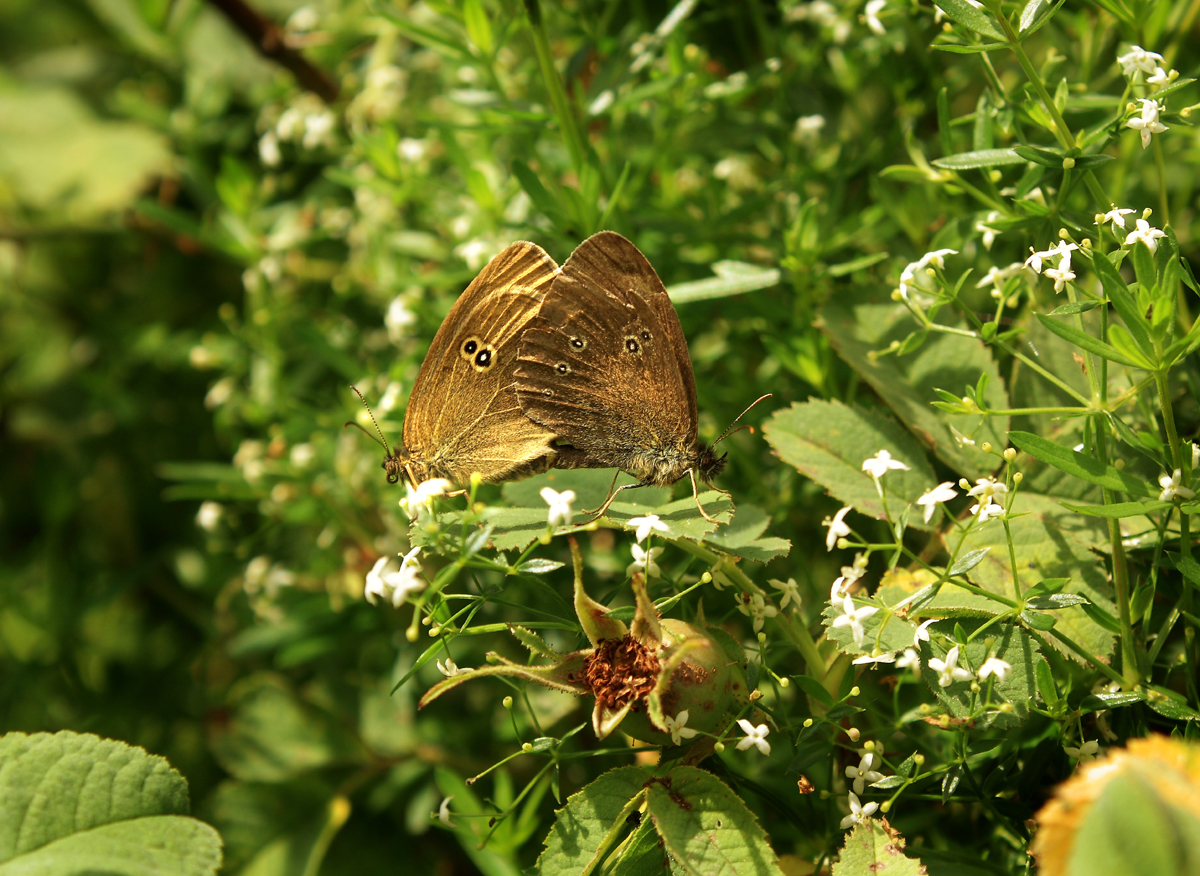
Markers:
{"x": 582, "y": 824}
{"x": 1012, "y": 645}
{"x": 873, "y": 848}
{"x": 968, "y": 16}
{"x": 147, "y": 846}
{"x": 895, "y": 635}
{"x": 743, "y": 536}
{"x": 828, "y": 442}
{"x": 1051, "y": 542}
{"x": 706, "y": 826}
{"x": 907, "y": 384}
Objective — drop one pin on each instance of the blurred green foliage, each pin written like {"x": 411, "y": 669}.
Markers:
{"x": 197, "y": 258}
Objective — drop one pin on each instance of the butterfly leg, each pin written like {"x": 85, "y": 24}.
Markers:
{"x": 696, "y": 496}
{"x": 612, "y": 494}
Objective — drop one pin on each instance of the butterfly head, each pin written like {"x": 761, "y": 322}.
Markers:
{"x": 708, "y": 463}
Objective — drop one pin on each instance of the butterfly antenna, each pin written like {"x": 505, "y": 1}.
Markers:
{"x": 731, "y": 430}
{"x": 380, "y": 440}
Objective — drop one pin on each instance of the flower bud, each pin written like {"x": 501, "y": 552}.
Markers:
{"x": 785, "y": 681}
{"x": 718, "y": 747}
{"x": 1068, "y": 163}
{"x": 885, "y": 807}
{"x": 855, "y": 691}
{"x": 411, "y": 634}
{"x": 1119, "y": 464}
{"x": 756, "y": 695}
{"x": 808, "y": 722}
{"x": 986, "y": 446}
{"x": 1018, "y": 477}
{"x": 527, "y": 746}
{"x": 507, "y": 702}
{"x": 1010, "y": 454}
{"x": 853, "y": 733}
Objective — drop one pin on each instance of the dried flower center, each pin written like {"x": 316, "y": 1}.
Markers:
{"x": 620, "y": 671}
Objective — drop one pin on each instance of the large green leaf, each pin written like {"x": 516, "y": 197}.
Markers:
{"x": 870, "y": 850}
{"x": 74, "y": 803}
{"x": 828, "y": 442}
{"x": 1051, "y": 542}
{"x": 743, "y": 536}
{"x": 52, "y": 785}
{"x": 707, "y": 828}
{"x": 574, "y": 841}
{"x": 907, "y": 383}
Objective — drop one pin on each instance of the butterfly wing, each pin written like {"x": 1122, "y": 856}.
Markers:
{"x": 605, "y": 363}
{"x": 463, "y": 415}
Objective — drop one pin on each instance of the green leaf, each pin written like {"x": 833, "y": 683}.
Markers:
{"x": 1170, "y": 705}
{"x": 970, "y": 17}
{"x": 148, "y": 846}
{"x": 479, "y": 29}
{"x": 52, "y": 785}
{"x": 706, "y": 826}
{"x": 1044, "y": 157}
{"x": 1012, "y": 645}
{"x": 1080, "y": 465}
{"x": 1074, "y": 307}
{"x": 828, "y": 441}
{"x": 1119, "y": 509}
{"x": 1055, "y": 601}
{"x": 733, "y": 278}
{"x": 574, "y": 841}
{"x": 907, "y": 384}
{"x": 870, "y": 850}
{"x": 969, "y": 50}
{"x": 968, "y": 561}
{"x": 1051, "y": 542}
{"x": 895, "y": 635}
{"x": 1090, "y": 343}
{"x": 538, "y": 566}
{"x": 743, "y": 536}
{"x": 1045, "y": 683}
{"x": 643, "y": 854}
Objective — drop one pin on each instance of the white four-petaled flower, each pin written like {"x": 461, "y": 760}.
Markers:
{"x": 1146, "y": 234}
{"x": 450, "y": 668}
{"x": 986, "y": 512}
{"x": 1116, "y": 216}
{"x": 560, "y": 506}
{"x": 850, "y": 574}
{"x": 994, "y": 666}
{"x": 1060, "y": 278}
{"x": 646, "y": 524}
{"x": 790, "y": 590}
{"x": 910, "y": 659}
{"x": 937, "y": 258}
{"x": 921, "y": 633}
{"x": 871, "y": 16}
{"x": 394, "y": 585}
{"x": 881, "y": 463}
{"x": 837, "y": 529}
{"x": 756, "y": 736}
{"x": 1138, "y": 60}
{"x": 875, "y": 659}
{"x": 853, "y": 617}
{"x": 863, "y": 774}
{"x": 643, "y": 561}
{"x": 948, "y": 670}
{"x": 943, "y": 492}
{"x": 1086, "y": 751}
{"x": 858, "y": 812}
{"x": 419, "y": 498}
{"x": 1172, "y": 487}
{"x": 1147, "y": 123}
{"x": 756, "y": 607}
{"x": 675, "y": 726}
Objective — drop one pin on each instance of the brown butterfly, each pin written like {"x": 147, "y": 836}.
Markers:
{"x": 605, "y": 367}
{"x": 463, "y": 415}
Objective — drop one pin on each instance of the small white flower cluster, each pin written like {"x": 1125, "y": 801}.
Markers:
{"x": 1138, "y": 62}
{"x": 1061, "y": 274}
{"x": 908, "y": 276}
{"x": 395, "y": 586}
{"x": 823, "y": 14}
{"x": 308, "y": 122}
{"x": 985, "y": 492}
{"x": 419, "y": 499}
{"x": 1172, "y": 487}
{"x": 996, "y": 277}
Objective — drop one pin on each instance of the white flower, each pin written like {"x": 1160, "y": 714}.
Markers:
{"x": 1138, "y": 60}
{"x": 948, "y": 670}
{"x": 1060, "y": 277}
{"x": 647, "y": 524}
{"x": 1172, "y": 487}
{"x": 989, "y": 234}
{"x": 1147, "y": 122}
{"x": 1063, "y": 250}
{"x": 602, "y": 102}
{"x": 994, "y": 666}
{"x": 1145, "y": 234}
{"x": 1116, "y": 216}
{"x": 1035, "y": 259}
{"x": 986, "y": 512}
{"x": 643, "y": 561}
{"x": 210, "y": 515}
{"x": 756, "y": 736}
{"x": 862, "y": 774}
{"x": 1087, "y": 751}
{"x": 881, "y": 463}
{"x": 853, "y": 617}
{"x": 921, "y": 633}
{"x": 268, "y": 150}
{"x": 910, "y": 272}
{"x": 1195, "y": 455}
{"x": 756, "y": 607}
{"x": 850, "y": 574}
{"x": 560, "y": 506}
{"x": 910, "y": 659}
{"x": 398, "y": 318}
{"x": 986, "y": 488}
{"x": 395, "y": 585}
{"x": 875, "y": 660}
{"x": 943, "y": 492}
{"x": 411, "y": 149}
{"x": 419, "y": 498}
{"x": 858, "y": 813}
{"x": 871, "y": 16}
{"x": 790, "y": 590}
{"x": 808, "y": 129}
{"x": 443, "y": 813}
{"x": 676, "y": 729}
{"x": 1162, "y": 78}
{"x": 450, "y": 668}
{"x": 318, "y": 129}
{"x": 837, "y": 529}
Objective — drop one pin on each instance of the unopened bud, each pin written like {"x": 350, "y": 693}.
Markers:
{"x": 785, "y": 682}
{"x": 1018, "y": 477}
{"x": 1063, "y": 234}
{"x": 427, "y": 620}
{"x": 885, "y": 807}
{"x": 1068, "y": 163}
{"x": 527, "y": 746}
{"x": 1119, "y": 464}
{"x": 986, "y": 446}
{"x": 507, "y": 702}
{"x": 476, "y": 479}
{"x": 843, "y": 543}
{"x": 896, "y": 296}
{"x": 411, "y": 634}
{"x": 706, "y": 578}
{"x": 762, "y": 638}
{"x": 1006, "y": 707}
{"x": 853, "y": 733}
{"x": 719, "y": 747}
{"x": 919, "y": 759}
{"x": 964, "y": 484}
{"x": 1010, "y": 454}
{"x": 855, "y": 691}
{"x": 756, "y": 695}
{"x": 434, "y": 631}
{"x": 975, "y": 688}
{"x": 545, "y": 538}
{"x": 808, "y": 722}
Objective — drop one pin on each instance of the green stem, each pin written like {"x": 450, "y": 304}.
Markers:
{"x": 558, "y": 94}
{"x": 1086, "y": 655}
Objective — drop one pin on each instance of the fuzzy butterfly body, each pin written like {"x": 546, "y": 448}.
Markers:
{"x": 463, "y": 415}
{"x": 604, "y": 365}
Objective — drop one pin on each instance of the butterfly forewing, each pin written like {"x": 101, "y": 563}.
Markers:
{"x": 605, "y": 364}
{"x": 463, "y": 415}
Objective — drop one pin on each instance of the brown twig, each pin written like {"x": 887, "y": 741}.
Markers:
{"x": 271, "y": 41}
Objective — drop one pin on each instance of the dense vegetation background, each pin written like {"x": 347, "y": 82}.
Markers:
{"x": 197, "y": 257}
